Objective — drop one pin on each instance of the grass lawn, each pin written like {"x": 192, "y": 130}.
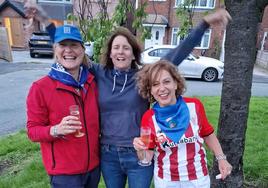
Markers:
{"x": 21, "y": 163}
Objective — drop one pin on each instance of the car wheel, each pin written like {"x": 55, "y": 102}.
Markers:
{"x": 210, "y": 75}
{"x": 32, "y": 55}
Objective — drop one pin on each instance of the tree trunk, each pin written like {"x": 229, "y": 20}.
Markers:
{"x": 240, "y": 48}
{"x": 130, "y": 17}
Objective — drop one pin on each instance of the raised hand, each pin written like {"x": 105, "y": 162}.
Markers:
{"x": 221, "y": 16}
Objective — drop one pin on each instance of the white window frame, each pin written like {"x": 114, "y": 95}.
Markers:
{"x": 207, "y": 33}
{"x": 57, "y": 1}
{"x": 174, "y": 33}
{"x": 177, "y": 3}
{"x": 264, "y": 38}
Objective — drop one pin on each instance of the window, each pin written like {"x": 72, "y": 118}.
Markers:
{"x": 204, "y": 44}
{"x": 175, "y": 40}
{"x": 159, "y": 52}
{"x": 207, "y": 4}
{"x": 179, "y": 2}
{"x": 55, "y": 1}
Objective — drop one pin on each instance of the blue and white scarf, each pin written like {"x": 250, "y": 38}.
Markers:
{"x": 59, "y": 73}
{"x": 173, "y": 120}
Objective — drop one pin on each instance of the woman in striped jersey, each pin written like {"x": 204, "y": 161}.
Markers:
{"x": 179, "y": 128}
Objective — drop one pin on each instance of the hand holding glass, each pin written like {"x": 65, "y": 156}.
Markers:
{"x": 74, "y": 111}
{"x": 145, "y": 133}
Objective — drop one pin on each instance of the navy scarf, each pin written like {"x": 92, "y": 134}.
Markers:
{"x": 59, "y": 73}
{"x": 173, "y": 120}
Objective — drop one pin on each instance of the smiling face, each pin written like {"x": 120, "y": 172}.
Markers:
{"x": 164, "y": 88}
{"x": 121, "y": 53}
{"x": 70, "y": 55}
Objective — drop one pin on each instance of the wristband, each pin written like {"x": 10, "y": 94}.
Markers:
{"x": 54, "y": 131}
{"x": 220, "y": 157}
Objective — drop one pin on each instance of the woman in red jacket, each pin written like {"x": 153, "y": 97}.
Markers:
{"x": 70, "y": 160}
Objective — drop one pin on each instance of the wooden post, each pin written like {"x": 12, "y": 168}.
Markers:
{"x": 5, "y": 49}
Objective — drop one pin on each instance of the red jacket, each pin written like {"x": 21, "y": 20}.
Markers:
{"x": 47, "y": 103}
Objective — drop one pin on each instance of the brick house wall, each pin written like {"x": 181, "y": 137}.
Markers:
{"x": 94, "y": 8}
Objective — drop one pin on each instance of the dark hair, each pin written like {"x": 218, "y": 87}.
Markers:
{"x": 121, "y": 31}
{"x": 147, "y": 75}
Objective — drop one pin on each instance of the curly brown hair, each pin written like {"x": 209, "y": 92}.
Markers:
{"x": 121, "y": 31}
{"x": 150, "y": 72}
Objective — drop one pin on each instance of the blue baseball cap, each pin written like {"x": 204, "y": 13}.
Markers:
{"x": 67, "y": 32}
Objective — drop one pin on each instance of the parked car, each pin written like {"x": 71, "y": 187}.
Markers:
{"x": 40, "y": 43}
{"x": 206, "y": 68}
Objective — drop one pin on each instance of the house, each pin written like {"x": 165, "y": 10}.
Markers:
{"x": 262, "y": 44}
{"x": 164, "y": 25}
{"x": 20, "y": 28}
{"x": 263, "y": 32}
{"x": 13, "y": 18}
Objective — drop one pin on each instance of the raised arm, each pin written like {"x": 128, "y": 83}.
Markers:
{"x": 178, "y": 54}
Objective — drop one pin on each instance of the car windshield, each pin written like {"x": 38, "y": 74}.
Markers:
{"x": 159, "y": 52}
{"x": 42, "y": 36}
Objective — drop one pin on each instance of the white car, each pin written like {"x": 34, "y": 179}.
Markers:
{"x": 206, "y": 68}
{"x": 89, "y": 49}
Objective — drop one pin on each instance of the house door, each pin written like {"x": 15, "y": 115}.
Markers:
{"x": 157, "y": 35}
{"x": 15, "y": 31}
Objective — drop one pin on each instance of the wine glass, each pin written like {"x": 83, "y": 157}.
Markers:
{"x": 74, "y": 111}
{"x": 145, "y": 133}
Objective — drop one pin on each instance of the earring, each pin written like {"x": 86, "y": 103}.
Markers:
{"x": 151, "y": 99}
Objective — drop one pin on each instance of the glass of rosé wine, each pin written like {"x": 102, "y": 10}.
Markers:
{"x": 145, "y": 133}
{"x": 74, "y": 111}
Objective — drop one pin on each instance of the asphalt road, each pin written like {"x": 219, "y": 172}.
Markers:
{"x": 14, "y": 86}
{"x": 16, "y": 78}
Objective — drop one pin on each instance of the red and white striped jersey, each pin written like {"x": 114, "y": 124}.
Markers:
{"x": 185, "y": 160}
